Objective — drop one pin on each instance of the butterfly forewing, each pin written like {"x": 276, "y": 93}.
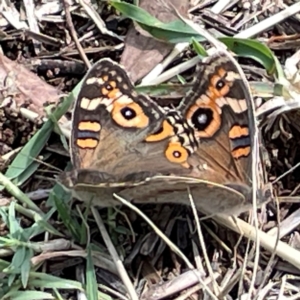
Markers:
{"x": 220, "y": 109}
{"x": 110, "y": 119}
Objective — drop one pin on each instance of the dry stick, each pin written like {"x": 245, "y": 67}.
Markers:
{"x": 112, "y": 291}
{"x": 282, "y": 287}
{"x": 157, "y": 231}
{"x": 198, "y": 262}
{"x": 245, "y": 259}
{"x": 73, "y": 33}
{"x": 190, "y": 291}
{"x": 286, "y": 173}
{"x": 255, "y": 159}
{"x": 120, "y": 267}
{"x": 271, "y": 285}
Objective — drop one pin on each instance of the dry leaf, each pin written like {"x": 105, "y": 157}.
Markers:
{"x": 142, "y": 52}
{"x": 25, "y": 87}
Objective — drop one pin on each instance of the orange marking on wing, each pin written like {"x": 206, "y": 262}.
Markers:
{"x": 216, "y": 92}
{"x": 213, "y": 127}
{"x": 88, "y": 125}
{"x": 222, "y": 72}
{"x": 238, "y": 131}
{"x": 165, "y": 132}
{"x": 176, "y": 153}
{"x": 237, "y": 153}
{"x": 114, "y": 94}
{"x": 185, "y": 165}
{"x": 113, "y": 84}
{"x": 138, "y": 120}
{"x": 104, "y": 91}
{"x": 86, "y": 143}
{"x": 110, "y": 90}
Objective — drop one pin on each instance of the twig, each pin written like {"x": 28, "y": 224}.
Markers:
{"x": 220, "y": 6}
{"x": 97, "y": 20}
{"x": 73, "y": 33}
{"x": 157, "y": 230}
{"x": 33, "y": 25}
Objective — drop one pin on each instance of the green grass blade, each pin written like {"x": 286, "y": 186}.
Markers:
{"x": 254, "y": 50}
{"x": 18, "y": 194}
{"x": 58, "y": 196}
{"x": 43, "y": 280}
{"x": 199, "y": 49}
{"x": 13, "y": 225}
{"x": 36, "y": 144}
{"x": 28, "y": 295}
{"x": 173, "y": 32}
{"x": 91, "y": 281}
{"x": 25, "y": 267}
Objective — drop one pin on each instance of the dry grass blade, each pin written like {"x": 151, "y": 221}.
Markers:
{"x": 271, "y": 21}
{"x": 121, "y": 270}
{"x": 32, "y": 21}
{"x": 202, "y": 243}
{"x": 166, "y": 240}
{"x": 283, "y": 250}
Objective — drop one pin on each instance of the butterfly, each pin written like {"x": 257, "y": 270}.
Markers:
{"x": 124, "y": 142}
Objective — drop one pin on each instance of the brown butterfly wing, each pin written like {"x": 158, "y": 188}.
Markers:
{"x": 118, "y": 135}
{"x": 208, "y": 197}
{"x": 109, "y": 120}
{"x": 220, "y": 109}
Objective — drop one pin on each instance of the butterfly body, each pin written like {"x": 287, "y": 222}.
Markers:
{"x": 125, "y": 143}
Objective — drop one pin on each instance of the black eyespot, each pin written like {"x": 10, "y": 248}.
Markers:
{"x": 220, "y": 84}
{"x": 202, "y": 118}
{"x": 128, "y": 113}
{"x": 109, "y": 87}
{"x": 176, "y": 154}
